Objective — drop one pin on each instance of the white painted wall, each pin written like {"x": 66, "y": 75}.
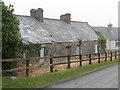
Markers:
{"x": 108, "y": 44}
{"x": 111, "y": 45}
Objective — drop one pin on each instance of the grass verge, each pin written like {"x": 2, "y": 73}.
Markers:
{"x": 32, "y": 82}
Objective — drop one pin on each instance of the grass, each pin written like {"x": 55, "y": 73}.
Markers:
{"x": 32, "y": 82}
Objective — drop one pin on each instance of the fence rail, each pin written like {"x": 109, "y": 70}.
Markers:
{"x": 107, "y": 55}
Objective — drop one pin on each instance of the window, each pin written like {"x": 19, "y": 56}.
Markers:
{"x": 117, "y": 43}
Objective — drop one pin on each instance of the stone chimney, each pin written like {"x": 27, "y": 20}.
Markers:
{"x": 110, "y": 26}
{"x": 66, "y": 18}
{"x": 37, "y": 13}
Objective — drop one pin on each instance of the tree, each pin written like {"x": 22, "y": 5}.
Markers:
{"x": 101, "y": 41}
{"x": 0, "y": 31}
{"x": 11, "y": 40}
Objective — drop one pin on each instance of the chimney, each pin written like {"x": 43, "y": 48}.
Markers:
{"x": 110, "y": 26}
{"x": 66, "y": 18}
{"x": 38, "y": 14}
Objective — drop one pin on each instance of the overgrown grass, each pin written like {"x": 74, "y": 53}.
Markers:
{"x": 32, "y": 82}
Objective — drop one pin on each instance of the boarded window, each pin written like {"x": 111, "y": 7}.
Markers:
{"x": 68, "y": 49}
{"x": 42, "y": 54}
{"x": 96, "y": 48}
{"x": 77, "y": 50}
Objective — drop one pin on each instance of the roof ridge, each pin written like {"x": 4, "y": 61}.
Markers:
{"x": 21, "y": 15}
{"x": 44, "y": 18}
{"x": 102, "y": 27}
{"x": 79, "y": 22}
{"x": 99, "y": 26}
{"x": 51, "y": 18}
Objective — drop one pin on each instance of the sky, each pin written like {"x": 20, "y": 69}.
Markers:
{"x": 95, "y": 12}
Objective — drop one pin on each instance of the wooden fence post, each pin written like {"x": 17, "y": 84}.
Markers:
{"x": 89, "y": 58}
{"x": 111, "y": 56}
{"x": 68, "y": 62}
{"x": 27, "y": 67}
{"x": 51, "y": 64}
{"x": 98, "y": 57}
{"x": 105, "y": 56}
{"x": 80, "y": 57}
{"x": 115, "y": 55}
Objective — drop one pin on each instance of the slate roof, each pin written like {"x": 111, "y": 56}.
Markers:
{"x": 54, "y": 30}
{"x": 109, "y": 34}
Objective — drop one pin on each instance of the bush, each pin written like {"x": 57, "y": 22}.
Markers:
{"x": 101, "y": 41}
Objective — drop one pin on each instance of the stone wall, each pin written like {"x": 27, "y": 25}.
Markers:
{"x": 57, "y": 49}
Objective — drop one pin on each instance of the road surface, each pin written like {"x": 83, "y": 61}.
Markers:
{"x": 103, "y": 78}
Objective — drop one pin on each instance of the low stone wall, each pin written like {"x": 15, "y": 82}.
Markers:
{"x": 60, "y": 48}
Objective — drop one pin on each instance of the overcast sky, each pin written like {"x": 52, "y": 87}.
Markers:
{"x": 95, "y": 12}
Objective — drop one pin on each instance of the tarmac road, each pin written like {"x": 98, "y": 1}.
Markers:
{"x": 102, "y": 78}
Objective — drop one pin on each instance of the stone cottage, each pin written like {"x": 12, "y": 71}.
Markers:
{"x": 57, "y": 36}
{"x": 112, "y": 35}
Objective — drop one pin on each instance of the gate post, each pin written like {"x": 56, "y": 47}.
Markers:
{"x": 111, "y": 56}
{"x": 80, "y": 58}
{"x": 68, "y": 61}
{"x": 105, "y": 56}
{"x": 51, "y": 64}
{"x": 98, "y": 57}
{"x": 89, "y": 58}
{"x": 27, "y": 67}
